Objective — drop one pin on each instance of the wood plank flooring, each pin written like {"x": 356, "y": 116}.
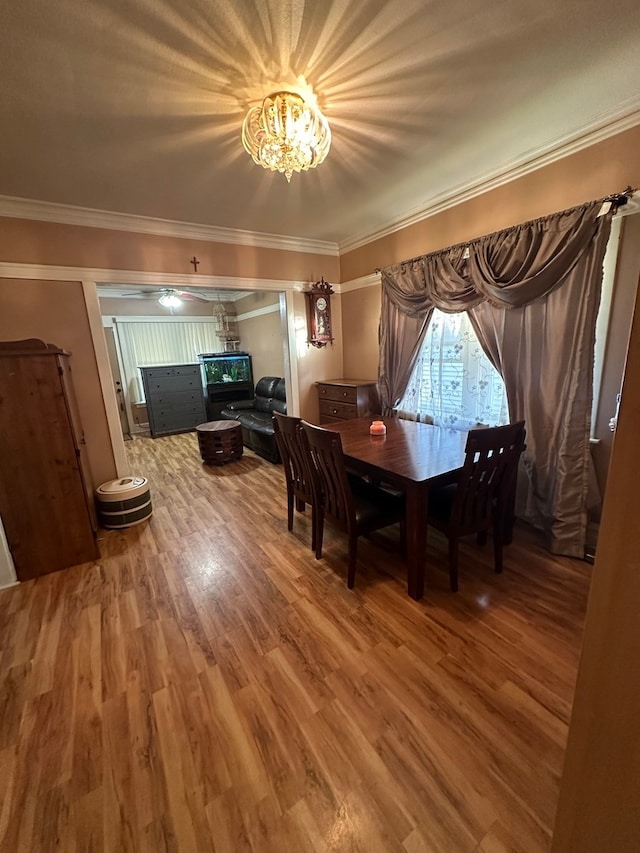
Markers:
{"x": 209, "y": 686}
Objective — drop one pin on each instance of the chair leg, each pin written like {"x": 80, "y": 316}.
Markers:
{"x": 289, "y": 509}
{"x": 319, "y": 532}
{"x": 353, "y": 556}
{"x": 481, "y": 537}
{"x": 453, "y": 564}
{"x": 314, "y": 524}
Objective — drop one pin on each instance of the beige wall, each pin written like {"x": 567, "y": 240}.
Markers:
{"x": 360, "y": 318}
{"x": 263, "y": 338}
{"x": 253, "y": 301}
{"x": 30, "y": 242}
{"x": 597, "y": 171}
{"x": 55, "y": 311}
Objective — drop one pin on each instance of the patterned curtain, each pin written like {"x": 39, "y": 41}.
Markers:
{"x": 454, "y": 384}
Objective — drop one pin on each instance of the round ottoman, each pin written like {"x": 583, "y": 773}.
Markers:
{"x": 124, "y": 502}
{"x": 219, "y": 441}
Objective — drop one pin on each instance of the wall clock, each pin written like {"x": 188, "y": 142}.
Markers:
{"x": 319, "y": 331}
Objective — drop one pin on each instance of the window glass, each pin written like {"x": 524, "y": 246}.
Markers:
{"x": 454, "y": 384}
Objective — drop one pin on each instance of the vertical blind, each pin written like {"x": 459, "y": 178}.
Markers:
{"x": 144, "y": 344}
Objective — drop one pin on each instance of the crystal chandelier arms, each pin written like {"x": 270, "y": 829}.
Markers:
{"x": 286, "y": 134}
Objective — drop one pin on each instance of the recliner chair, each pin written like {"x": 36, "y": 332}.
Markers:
{"x": 256, "y": 416}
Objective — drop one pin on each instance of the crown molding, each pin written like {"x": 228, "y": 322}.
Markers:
{"x": 570, "y": 144}
{"x": 128, "y": 278}
{"x": 359, "y": 283}
{"x": 20, "y": 208}
{"x": 65, "y": 214}
{"x": 259, "y": 312}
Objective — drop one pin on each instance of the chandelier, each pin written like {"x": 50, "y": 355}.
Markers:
{"x": 286, "y": 134}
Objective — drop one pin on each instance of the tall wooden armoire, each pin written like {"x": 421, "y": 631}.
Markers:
{"x": 45, "y": 502}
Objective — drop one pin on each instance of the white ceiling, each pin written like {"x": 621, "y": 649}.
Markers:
{"x": 136, "y": 106}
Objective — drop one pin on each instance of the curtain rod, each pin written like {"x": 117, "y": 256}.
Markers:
{"x": 615, "y": 199}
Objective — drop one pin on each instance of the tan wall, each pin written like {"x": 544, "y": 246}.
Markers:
{"x": 361, "y": 311}
{"x": 597, "y": 171}
{"x": 25, "y": 241}
{"x": 55, "y": 311}
{"x": 263, "y": 338}
{"x": 599, "y": 805}
{"x": 254, "y": 301}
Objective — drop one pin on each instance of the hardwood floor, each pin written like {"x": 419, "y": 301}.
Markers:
{"x": 209, "y": 686}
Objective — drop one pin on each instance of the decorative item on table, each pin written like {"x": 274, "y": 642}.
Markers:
{"x": 378, "y": 428}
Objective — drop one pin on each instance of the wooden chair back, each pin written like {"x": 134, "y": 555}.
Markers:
{"x": 487, "y": 481}
{"x": 483, "y": 498}
{"x": 352, "y": 504}
{"x": 287, "y": 432}
{"x": 300, "y": 491}
{"x": 329, "y": 474}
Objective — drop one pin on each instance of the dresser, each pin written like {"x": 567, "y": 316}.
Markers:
{"x": 175, "y": 398}
{"x": 345, "y": 399}
{"x": 45, "y": 484}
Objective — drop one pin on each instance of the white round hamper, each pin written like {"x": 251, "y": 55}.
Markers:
{"x": 124, "y": 502}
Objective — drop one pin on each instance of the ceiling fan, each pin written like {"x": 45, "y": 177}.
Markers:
{"x": 170, "y": 297}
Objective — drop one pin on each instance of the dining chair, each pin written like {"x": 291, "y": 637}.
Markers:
{"x": 296, "y": 474}
{"x": 351, "y": 503}
{"x": 483, "y": 497}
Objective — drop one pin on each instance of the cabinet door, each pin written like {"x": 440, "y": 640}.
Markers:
{"x": 42, "y": 497}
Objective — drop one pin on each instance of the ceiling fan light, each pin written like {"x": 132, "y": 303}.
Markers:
{"x": 286, "y": 134}
{"x": 170, "y": 300}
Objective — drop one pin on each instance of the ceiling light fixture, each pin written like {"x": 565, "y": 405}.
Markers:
{"x": 286, "y": 134}
{"x": 170, "y": 300}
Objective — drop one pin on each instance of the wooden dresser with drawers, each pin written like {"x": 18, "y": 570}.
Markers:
{"x": 345, "y": 399}
{"x": 175, "y": 398}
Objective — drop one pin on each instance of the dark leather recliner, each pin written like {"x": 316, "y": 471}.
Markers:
{"x": 256, "y": 416}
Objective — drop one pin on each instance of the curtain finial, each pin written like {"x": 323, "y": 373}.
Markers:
{"x": 618, "y": 200}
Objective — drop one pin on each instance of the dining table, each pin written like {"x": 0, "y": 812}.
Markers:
{"x": 411, "y": 457}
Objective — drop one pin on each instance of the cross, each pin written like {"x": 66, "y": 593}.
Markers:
{"x": 195, "y": 263}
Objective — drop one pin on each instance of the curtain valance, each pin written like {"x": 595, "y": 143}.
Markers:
{"x": 508, "y": 269}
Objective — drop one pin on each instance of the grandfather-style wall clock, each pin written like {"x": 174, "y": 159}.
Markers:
{"x": 319, "y": 332}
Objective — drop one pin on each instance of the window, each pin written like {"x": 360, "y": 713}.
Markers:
{"x": 454, "y": 384}
{"x": 161, "y": 341}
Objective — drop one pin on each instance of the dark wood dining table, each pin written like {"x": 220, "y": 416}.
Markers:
{"x": 410, "y": 457}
